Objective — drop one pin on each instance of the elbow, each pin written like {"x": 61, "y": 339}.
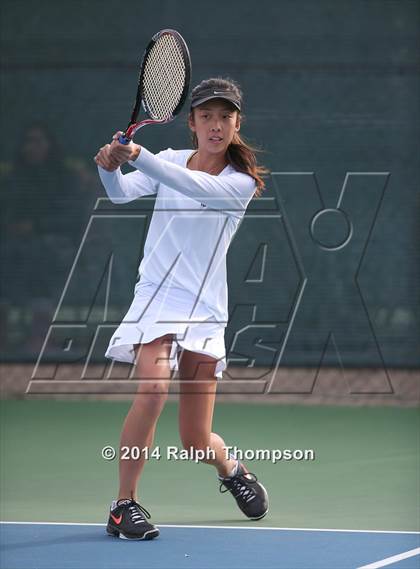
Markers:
{"x": 116, "y": 197}
{"x": 119, "y": 200}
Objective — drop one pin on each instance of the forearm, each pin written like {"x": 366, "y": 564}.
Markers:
{"x": 113, "y": 183}
{"x": 123, "y": 188}
{"x": 218, "y": 191}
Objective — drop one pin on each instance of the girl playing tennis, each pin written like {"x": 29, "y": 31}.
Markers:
{"x": 179, "y": 313}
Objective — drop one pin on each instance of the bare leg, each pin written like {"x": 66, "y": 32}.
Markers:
{"x": 196, "y": 405}
{"x": 140, "y": 423}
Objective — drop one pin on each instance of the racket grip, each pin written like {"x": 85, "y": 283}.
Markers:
{"x": 123, "y": 139}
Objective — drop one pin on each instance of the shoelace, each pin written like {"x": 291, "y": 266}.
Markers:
{"x": 239, "y": 489}
{"x": 137, "y": 511}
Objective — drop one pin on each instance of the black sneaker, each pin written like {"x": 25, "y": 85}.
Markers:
{"x": 127, "y": 520}
{"x": 250, "y": 495}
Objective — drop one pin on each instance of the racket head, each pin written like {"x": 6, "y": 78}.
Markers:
{"x": 164, "y": 78}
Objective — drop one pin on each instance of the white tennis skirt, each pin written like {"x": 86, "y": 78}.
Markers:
{"x": 156, "y": 311}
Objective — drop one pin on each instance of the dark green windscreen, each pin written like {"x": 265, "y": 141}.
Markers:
{"x": 324, "y": 268}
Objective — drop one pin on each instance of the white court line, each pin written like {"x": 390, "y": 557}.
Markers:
{"x": 393, "y": 559}
{"x": 223, "y": 527}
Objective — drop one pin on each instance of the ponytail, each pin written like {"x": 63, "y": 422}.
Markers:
{"x": 242, "y": 157}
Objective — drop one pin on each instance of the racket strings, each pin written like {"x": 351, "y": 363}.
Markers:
{"x": 164, "y": 77}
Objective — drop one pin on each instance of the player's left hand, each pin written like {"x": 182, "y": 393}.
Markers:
{"x": 104, "y": 160}
{"x": 112, "y": 156}
{"x": 123, "y": 152}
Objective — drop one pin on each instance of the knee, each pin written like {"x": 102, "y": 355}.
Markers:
{"x": 196, "y": 441}
{"x": 152, "y": 399}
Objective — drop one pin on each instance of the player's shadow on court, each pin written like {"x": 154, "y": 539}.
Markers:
{"x": 97, "y": 535}
{"x": 214, "y": 523}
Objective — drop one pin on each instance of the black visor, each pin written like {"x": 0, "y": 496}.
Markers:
{"x": 208, "y": 94}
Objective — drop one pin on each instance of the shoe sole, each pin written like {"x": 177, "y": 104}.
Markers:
{"x": 150, "y": 534}
{"x": 260, "y": 517}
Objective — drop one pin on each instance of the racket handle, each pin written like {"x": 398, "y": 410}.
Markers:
{"x": 122, "y": 139}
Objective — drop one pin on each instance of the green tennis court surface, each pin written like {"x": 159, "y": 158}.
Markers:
{"x": 365, "y": 474}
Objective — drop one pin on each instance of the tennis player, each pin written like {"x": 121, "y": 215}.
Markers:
{"x": 179, "y": 313}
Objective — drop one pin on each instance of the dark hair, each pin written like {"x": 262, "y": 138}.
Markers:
{"x": 240, "y": 154}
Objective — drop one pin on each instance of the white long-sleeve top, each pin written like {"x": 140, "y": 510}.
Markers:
{"x": 195, "y": 217}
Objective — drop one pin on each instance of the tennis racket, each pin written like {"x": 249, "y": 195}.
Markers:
{"x": 164, "y": 81}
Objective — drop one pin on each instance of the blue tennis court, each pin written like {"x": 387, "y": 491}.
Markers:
{"x": 71, "y": 546}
